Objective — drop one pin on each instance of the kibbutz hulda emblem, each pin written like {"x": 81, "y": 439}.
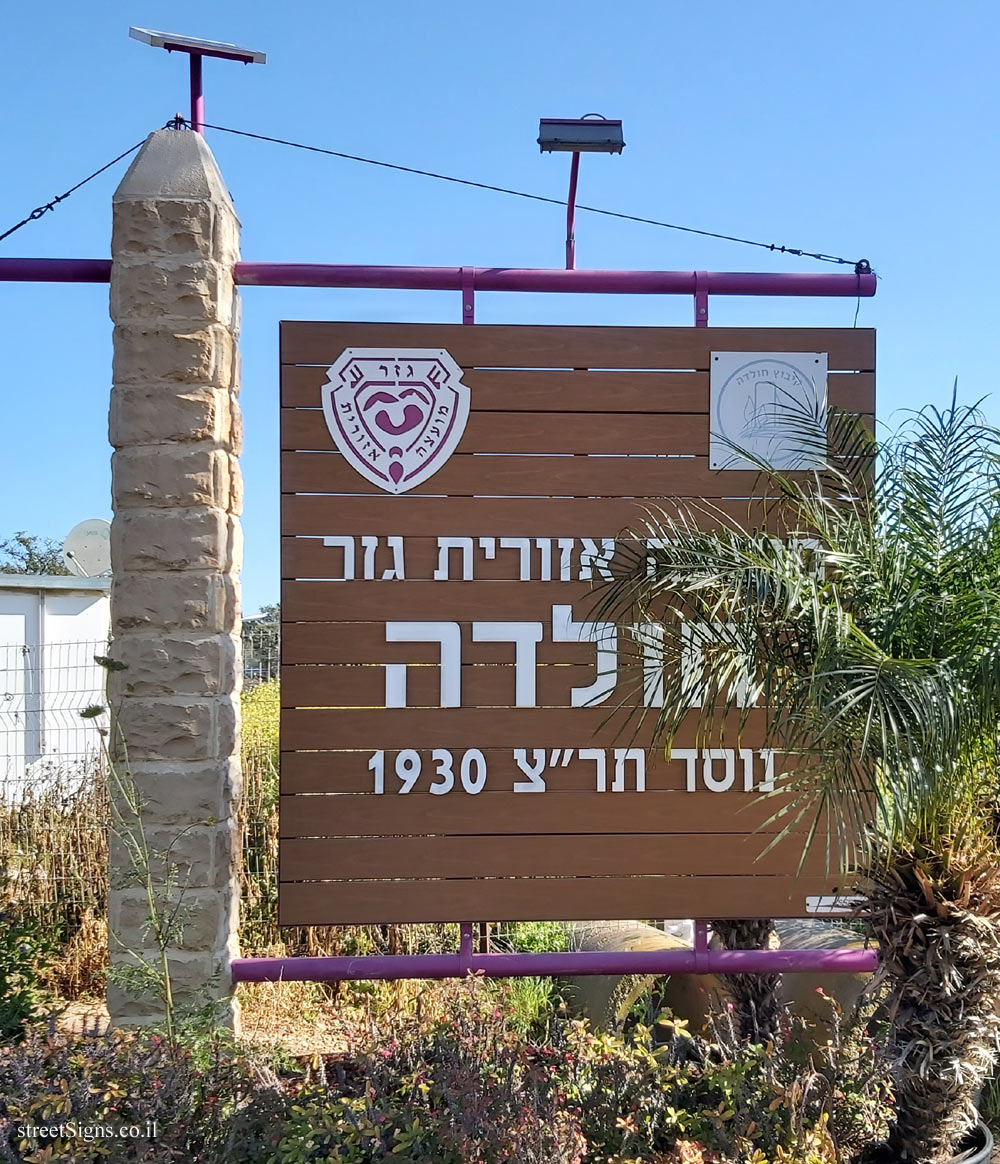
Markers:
{"x": 396, "y": 415}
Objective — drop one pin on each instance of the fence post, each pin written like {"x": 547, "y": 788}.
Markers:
{"x": 176, "y": 554}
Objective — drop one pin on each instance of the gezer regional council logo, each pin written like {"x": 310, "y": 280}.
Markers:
{"x": 396, "y": 415}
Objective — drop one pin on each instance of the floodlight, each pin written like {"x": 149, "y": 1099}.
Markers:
{"x": 196, "y": 48}
{"x": 580, "y": 135}
{"x": 590, "y": 134}
{"x": 174, "y": 42}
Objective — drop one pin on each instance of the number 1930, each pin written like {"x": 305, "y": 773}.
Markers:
{"x": 408, "y": 766}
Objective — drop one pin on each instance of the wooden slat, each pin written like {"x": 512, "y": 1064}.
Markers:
{"x": 349, "y": 772}
{"x": 308, "y": 557}
{"x": 532, "y": 432}
{"x": 553, "y": 390}
{"x": 544, "y": 899}
{"x": 477, "y": 517}
{"x": 485, "y": 685}
{"x": 466, "y": 475}
{"x": 613, "y": 854}
{"x": 542, "y": 390}
{"x": 539, "y": 346}
{"x": 530, "y": 814}
{"x": 469, "y": 727}
{"x": 364, "y": 642}
{"x": 459, "y": 601}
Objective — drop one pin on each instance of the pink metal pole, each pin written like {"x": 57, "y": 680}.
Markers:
{"x": 554, "y": 280}
{"x": 55, "y": 270}
{"x": 570, "y": 964}
{"x": 197, "y": 95}
{"x": 23, "y": 270}
{"x": 574, "y": 174}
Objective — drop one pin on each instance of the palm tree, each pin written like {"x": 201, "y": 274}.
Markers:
{"x": 871, "y": 634}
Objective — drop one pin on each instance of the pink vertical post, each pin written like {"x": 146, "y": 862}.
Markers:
{"x": 700, "y": 946}
{"x": 466, "y": 947}
{"x": 701, "y": 299}
{"x": 197, "y": 95}
{"x": 468, "y": 295}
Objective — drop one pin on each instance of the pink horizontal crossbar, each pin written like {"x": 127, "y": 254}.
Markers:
{"x": 570, "y": 964}
{"x": 483, "y": 278}
{"x": 537, "y": 279}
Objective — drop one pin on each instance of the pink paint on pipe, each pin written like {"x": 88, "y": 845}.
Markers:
{"x": 555, "y": 280}
{"x": 55, "y": 270}
{"x": 567, "y": 964}
{"x": 22, "y": 270}
{"x": 197, "y": 95}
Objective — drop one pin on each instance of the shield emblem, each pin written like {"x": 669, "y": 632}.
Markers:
{"x": 396, "y": 415}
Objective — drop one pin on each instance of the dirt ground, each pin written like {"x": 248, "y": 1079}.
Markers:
{"x": 271, "y": 1013}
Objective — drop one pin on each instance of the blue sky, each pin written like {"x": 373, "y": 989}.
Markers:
{"x": 864, "y": 129}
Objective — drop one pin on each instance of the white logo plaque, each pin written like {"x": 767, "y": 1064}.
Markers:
{"x": 396, "y": 415}
{"x": 763, "y": 402}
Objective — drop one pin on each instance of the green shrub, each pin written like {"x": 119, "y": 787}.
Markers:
{"x": 190, "y": 1094}
{"x": 21, "y": 995}
{"x": 532, "y": 937}
{"x": 447, "y": 1083}
{"x": 469, "y": 1087}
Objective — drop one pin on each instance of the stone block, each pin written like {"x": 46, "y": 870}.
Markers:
{"x": 171, "y": 476}
{"x": 171, "y": 539}
{"x": 228, "y": 721}
{"x": 236, "y": 326}
{"x": 168, "y": 729}
{"x": 164, "y": 665}
{"x": 152, "y": 227}
{"x": 179, "y": 793}
{"x": 127, "y": 1010}
{"x": 184, "y": 854}
{"x": 235, "y": 486}
{"x": 227, "y": 842}
{"x": 196, "y": 978}
{"x": 234, "y": 544}
{"x": 199, "y": 355}
{"x": 151, "y": 414}
{"x": 178, "y": 601}
{"x": 226, "y": 240}
{"x": 235, "y": 427}
{"x": 153, "y": 292}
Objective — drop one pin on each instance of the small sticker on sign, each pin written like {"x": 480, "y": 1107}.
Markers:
{"x": 832, "y": 904}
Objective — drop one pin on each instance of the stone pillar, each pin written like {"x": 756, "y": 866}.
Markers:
{"x": 176, "y": 554}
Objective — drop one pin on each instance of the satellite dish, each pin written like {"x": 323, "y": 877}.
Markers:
{"x": 87, "y": 548}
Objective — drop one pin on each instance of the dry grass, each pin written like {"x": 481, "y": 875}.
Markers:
{"x": 53, "y": 860}
{"x": 77, "y": 969}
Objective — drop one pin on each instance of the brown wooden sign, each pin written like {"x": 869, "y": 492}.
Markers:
{"x": 450, "y": 749}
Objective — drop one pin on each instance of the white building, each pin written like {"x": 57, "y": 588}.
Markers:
{"x": 51, "y": 627}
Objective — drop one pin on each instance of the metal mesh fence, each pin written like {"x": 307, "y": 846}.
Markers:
{"x": 54, "y": 809}
{"x": 261, "y": 650}
{"x": 42, "y": 692}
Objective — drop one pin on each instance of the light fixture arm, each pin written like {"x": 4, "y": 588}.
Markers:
{"x": 592, "y": 133}
{"x": 574, "y": 173}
